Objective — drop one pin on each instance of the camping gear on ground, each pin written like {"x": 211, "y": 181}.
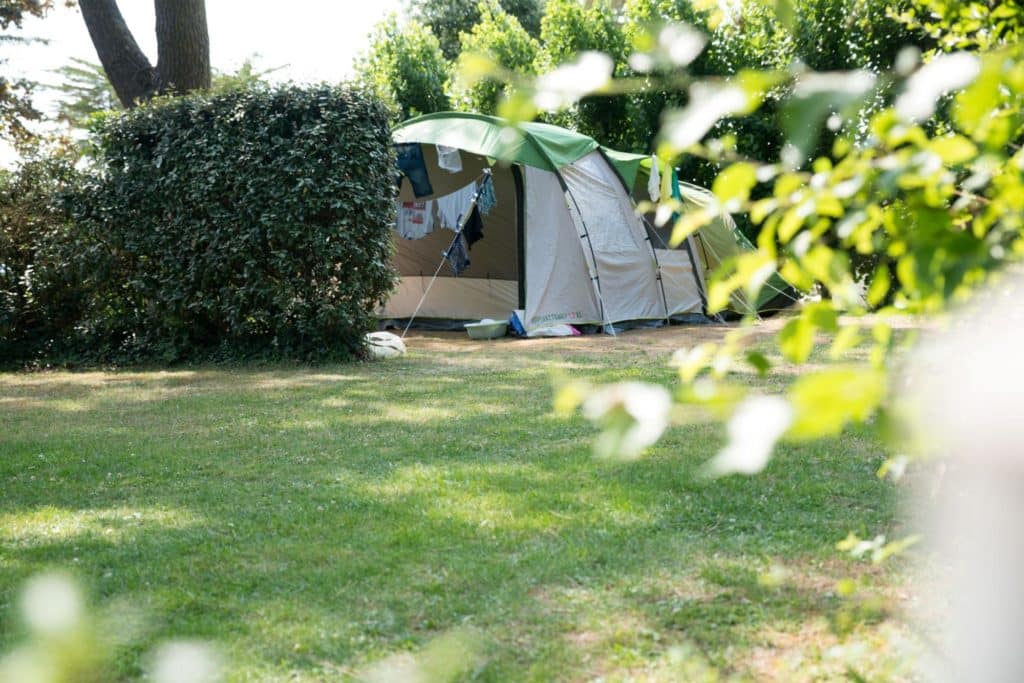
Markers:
{"x": 384, "y": 345}
{"x": 559, "y": 330}
{"x": 564, "y": 243}
{"x": 487, "y": 329}
{"x": 515, "y": 321}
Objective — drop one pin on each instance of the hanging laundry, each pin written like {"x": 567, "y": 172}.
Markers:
{"x": 667, "y": 184}
{"x": 415, "y": 219}
{"x": 449, "y": 159}
{"x": 487, "y": 200}
{"x": 451, "y": 207}
{"x": 410, "y": 162}
{"x": 474, "y": 228}
{"x": 654, "y": 181}
{"x": 457, "y": 255}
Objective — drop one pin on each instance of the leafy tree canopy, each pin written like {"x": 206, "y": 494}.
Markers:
{"x": 570, "y": 28}
{"x": 449, "y": 19}
{"x": 406, "y": 67}
{"x": 502, "y": 41}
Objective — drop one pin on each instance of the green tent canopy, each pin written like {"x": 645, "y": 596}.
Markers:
{"x": 532, "y": 144}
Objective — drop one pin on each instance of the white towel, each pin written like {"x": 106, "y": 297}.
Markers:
{"x": 449, "y": 159}
{"x": 451, "y": 206}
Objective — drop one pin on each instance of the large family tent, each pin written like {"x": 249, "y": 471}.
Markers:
{"x": 562, "y": 243}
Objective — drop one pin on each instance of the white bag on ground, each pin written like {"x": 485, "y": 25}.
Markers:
{"x": 384, "y": 345}
{"x": 560, "y": 330}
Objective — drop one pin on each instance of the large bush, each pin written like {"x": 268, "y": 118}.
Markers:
{"x": 39, "y": 299}
{"x": 250, "y": 223}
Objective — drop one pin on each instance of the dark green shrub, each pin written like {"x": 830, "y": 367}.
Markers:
{"x": 249, "y": 223}
{"x": 40, "y": 299}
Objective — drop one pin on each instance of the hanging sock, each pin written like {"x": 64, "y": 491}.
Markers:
{"x": 410, "y": 162}
{"x": 449, "y": 159}
{"x": 415, "y": 220}
{"x": 487, "y": 200}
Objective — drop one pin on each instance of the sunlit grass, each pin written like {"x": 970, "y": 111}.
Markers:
{"x": 122, "y": 524}
{"x": 312, "y": 521}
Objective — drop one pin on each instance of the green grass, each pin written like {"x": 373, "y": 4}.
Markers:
{"x": 312, "y": 521}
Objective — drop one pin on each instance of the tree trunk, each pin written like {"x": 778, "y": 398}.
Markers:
{"x": 183, "y": 45}
{"x": 129, "y": 71}
{"x": 183, "y": 49}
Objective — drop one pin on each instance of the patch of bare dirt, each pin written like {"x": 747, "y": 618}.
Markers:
{"x": 658, "y": 341}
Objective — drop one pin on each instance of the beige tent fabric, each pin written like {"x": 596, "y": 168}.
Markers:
{"x": 558, "y": 286}
{"x": 714, "y": 242}
{"x": 681, "y": 290}
{"x": 461, "y": 298}
{"x": 489, "y": 287}
{"x": 622, "y": 256}
{"x": 496, "y": 255}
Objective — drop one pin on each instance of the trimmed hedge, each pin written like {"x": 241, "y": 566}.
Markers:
{"x": 255, "y": 223}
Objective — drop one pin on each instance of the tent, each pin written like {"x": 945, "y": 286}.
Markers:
{"x": 563, "y": 243}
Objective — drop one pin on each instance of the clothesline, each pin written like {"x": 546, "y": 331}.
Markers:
{"x": 411, "y": 163}
{"x": 416, "y": 219}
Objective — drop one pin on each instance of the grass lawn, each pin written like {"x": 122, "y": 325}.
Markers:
{"x": 312, "y": 521}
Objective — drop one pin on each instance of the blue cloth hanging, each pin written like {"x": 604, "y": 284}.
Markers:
{"x": 458, "y": 255}
{"x": 487, "y": 200}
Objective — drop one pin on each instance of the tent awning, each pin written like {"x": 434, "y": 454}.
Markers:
{"x": 626, "y": 163}
{"x": 534, "y": 144}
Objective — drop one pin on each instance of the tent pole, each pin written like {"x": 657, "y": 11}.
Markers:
{"x": 595, "y": 277}
{"x": 697, "y": 275}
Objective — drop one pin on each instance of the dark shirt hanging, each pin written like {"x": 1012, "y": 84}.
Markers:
{"x": 474, "y": 230}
